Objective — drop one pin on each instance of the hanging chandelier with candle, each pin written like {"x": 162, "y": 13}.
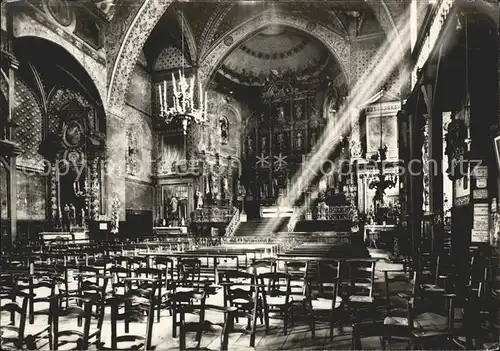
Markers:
{"x": 183, "y": 105}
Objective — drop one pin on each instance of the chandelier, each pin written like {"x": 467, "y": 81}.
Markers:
{"x": 183, "y": 106}
{"x": 382, "y": 181}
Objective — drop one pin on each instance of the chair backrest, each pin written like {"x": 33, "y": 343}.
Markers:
{"x": 362, "y": 277}
{"x": 74, "y": 311}
{"x": 136, "y": 302}
{"x": 263, "y": 266}
{"x": 190, "y": 269}
{"x": 16, "y": 309}
{"x": 275, "y": 284}
{"x": 374, "y": 329}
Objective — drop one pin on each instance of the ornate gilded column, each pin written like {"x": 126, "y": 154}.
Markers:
{"x": 114, "y": 164}
{"x": 95, "y": 190}
{"x": 355, "y": 147}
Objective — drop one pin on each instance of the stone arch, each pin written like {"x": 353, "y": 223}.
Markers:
{"x": 91, "y": 65}
{"x": 131, "y": 45}
{"x": 337, "y": 45}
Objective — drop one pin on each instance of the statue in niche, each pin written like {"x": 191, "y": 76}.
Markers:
{"x": 199, "y": 200}
{"x": 280, "y": 117}
{"x": 314, "y": 137}
{"x": 173, "y": 206}
{"x": 298, "y": 141}
{"x": 250, "y": 149}
{"x": 66, "y": 218}
{"x": 224, "y": 130}
{"x": 281, "y": 142}
{"x": 263, "y": 144}
{"x": 298, "y": 112}
{"x": 72, "y": 214}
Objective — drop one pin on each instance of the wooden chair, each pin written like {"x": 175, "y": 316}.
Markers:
{"x": 134, "y": 305}
{"x": 324, "y": 299}
{"x": 80, "y": 337}
{"x": 156, "y": 274}
{"x": 13, "y": 333}
{"x": 39, "y": 334}
{"x": 178, "y": 300}
{"x": 275, "y": 290}
{"x": 426, "y": 318}
{"x": 204, "y": 325}
{"x": 377, "y": 329}
{"x": 239, "y": 292}
{"x": 360, "y": 294}
{"x": 189, "y": 271}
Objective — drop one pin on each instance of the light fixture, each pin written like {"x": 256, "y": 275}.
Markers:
{"x": 184, "y": 106}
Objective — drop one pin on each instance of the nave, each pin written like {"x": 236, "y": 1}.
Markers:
{"x": 224, "y": 292}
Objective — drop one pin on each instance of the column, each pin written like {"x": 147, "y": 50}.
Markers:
{"x": 355, "y": 142}
{"x": 114, "y": 164}
{"x": 10, "y": 135}
{"x": 435, "y": 122}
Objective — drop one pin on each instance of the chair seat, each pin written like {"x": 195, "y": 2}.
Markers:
{"x": 432, "y": 288}
{"x": 297, "y": 297}
{"x": 9, "y": 332}
{"x": 361, "y": 299}
{"x": 325, "y": 304}
{"x": 277, "y": 300}
{"x": 35, "y": 329}
{"x": 428, "y": 322}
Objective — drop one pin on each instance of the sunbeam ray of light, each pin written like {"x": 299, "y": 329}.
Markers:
{"x": 387, "y": 58}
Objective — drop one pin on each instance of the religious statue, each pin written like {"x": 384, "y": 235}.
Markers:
{"x": 224, "y": 130}
{"x": 314, "y": 138}
{"x": 199, "y": 200}
{"x": 215, "y": 189}
{"x": 72, "y": 214}
{"x": 249, "y": 145}
{"x": 263, "y": 144}
{"x": 281, "y": 142}
{"x": 173, "y": 208}
{"x": 66, "y": 218}
{"x": 298, "y": 112}
{"x": 298, "y": 141}
{"x": 280, "y": 117}
{"x": 322, "y": 210}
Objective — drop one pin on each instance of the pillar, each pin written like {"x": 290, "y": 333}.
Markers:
{"x": 114, "y": 163}
{"x": 13, "y": 65}
{"x": 435, "y": 122}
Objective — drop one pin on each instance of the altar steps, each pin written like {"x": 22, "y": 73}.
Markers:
{"x": 255, "y": 227}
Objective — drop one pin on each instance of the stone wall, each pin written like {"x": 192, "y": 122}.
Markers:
{"x": 364, "y": 49}
{"x": 139, "y": 143}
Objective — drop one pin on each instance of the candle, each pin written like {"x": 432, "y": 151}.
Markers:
{"x": 165, "y": 95}
{"x": 174, "y": 85}
{"x": 160, "y": 97}
{"x": 32, "y": 268}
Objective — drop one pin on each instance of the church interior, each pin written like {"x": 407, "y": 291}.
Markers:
{"x": 249, "y": 174}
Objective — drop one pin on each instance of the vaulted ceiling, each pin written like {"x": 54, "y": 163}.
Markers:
{"x": 204, "y": 23}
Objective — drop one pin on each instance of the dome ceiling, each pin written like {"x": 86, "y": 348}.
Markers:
{"x": 275, "y": 52}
